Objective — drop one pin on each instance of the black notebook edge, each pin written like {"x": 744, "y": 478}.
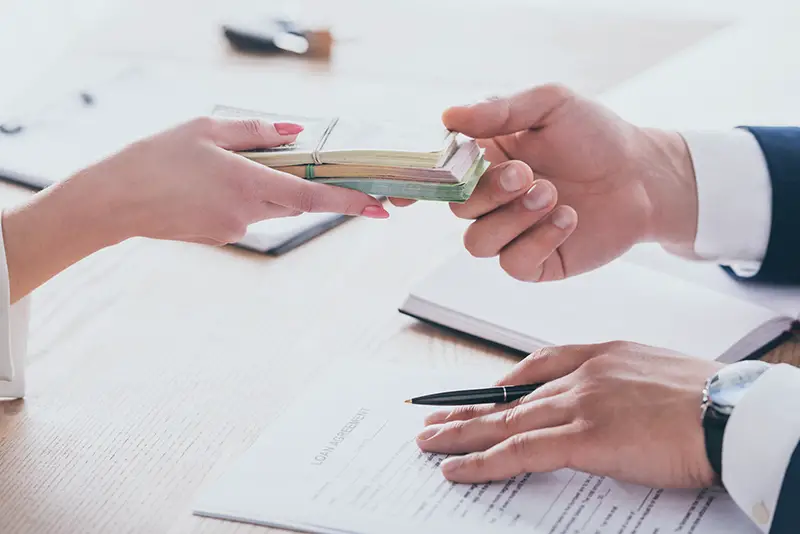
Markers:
{"x": 466, "y": 335}
{"x": 300, "y": 238}
{"x": 755, "y": 355}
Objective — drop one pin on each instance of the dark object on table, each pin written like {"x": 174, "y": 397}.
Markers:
{"x": 278, "y": 36}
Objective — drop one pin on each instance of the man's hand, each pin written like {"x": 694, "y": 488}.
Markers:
{"x": 572, "y": 186}
{"x": 621, "y": 410}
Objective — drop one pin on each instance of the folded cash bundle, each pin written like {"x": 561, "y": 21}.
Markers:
{"x": 396, "y": 160}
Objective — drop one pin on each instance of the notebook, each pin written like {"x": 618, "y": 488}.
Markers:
{"x": 646, "y": 297}
{"x": 344, "y": 460}
{"x": 72, "y": 127}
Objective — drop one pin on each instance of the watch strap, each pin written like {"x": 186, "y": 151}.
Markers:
{"x": 717, "y": 409}
{"x": 714, "y": 430}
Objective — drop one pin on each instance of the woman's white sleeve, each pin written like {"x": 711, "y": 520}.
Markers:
{"x": 13, "y": 334}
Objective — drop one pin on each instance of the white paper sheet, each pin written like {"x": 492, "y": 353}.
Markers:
{"x": 345, "y": 460}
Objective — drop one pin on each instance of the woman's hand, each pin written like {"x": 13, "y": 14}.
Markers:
{"x": 187, "y": 184}
{"x": 622, "y": 410}
{"x": 183, "y": 184}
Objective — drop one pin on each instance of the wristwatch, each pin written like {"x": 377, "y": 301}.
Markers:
{"x": 721, "y": 394}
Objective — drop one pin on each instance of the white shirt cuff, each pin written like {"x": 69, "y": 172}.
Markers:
{"x": 13, "y": 334}
{"x": 759, "y": 441}
{"x": 734, "y": 195}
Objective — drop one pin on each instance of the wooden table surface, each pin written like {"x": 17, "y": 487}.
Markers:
{"x": 153, "y": 365}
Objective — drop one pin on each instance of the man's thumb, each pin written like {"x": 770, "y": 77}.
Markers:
{"x": 503, "y": 116}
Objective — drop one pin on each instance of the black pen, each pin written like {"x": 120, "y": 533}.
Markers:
{"x": 493, "y": 395}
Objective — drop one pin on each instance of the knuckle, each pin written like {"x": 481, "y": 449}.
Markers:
{"x": 579, "y": 398}
{"x": 511, "y": 419}
{"x": 583, "y": 426}
{"x": 517, "y": 268}
{"x": 462, "y": 412}
{"x": 556, "y": 91}
{"x": 581, "y": 433}
{"x": 475, "y": 244}
{"x": 587, "y": 399}
{"x": 253, "y": 127}
{"x": 519, "y": 447}
{"x": 595, "y": 367}
{"x": 202, "y": 125}
{"x": 453, "y": 429}
{"x": 477, "y": 461}
{"x": 470, "y": 209}
{"x": 612, "y": 347}
{"x": 538, "y": 360}
{"x": 604, "y": 357}
{"x": 570, "y": 399}
{"x": 305, "y": 199}
{"x": 540, "y": 355}
{"x": 460, "y": 211}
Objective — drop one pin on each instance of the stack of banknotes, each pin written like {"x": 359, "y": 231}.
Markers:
{"x": 402, "y": 160}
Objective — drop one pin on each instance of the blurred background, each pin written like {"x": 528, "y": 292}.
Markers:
{"x": 94, "y": 75}
{"x": 140, "y": 66}
{"x": 457, "y": 47}
{"x": 146, "y": 64}
{"x": 387, "y": 57}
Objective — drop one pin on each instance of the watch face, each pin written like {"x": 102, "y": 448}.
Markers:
{"x": 731, "y": 383}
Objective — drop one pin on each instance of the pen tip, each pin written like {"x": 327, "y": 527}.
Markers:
{"x": 408, "y": 401}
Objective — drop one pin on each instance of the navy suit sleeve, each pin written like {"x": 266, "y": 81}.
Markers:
{"x": 781, "y": 148}
{"x": 781, "y": 264}
{"x": 787, "y": 511}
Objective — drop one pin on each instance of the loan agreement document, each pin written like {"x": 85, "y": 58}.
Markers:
{"x": 345, "y": 460}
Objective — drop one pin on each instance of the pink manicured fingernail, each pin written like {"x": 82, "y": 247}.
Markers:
{"x": 375, "y": 212}
{"x": 563, "y": 218}
{"x": 428, "y": 433}
{"x": 288, "y": 128}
